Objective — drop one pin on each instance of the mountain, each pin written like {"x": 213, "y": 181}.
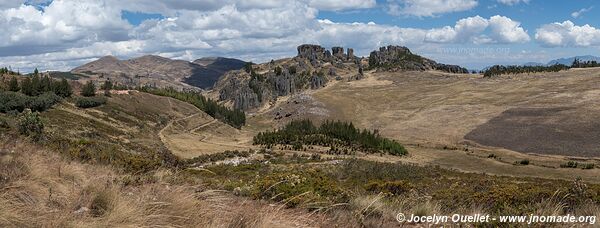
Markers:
{"x": 160, "y": 71}
{"x": 569, "y": 61}
{"x": 212, "y": 68}
{"x": 533, "y": 64}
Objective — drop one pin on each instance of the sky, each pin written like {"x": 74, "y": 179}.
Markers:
{"x": 63, "y": 34}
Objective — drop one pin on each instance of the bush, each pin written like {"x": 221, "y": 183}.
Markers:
{"x": 522, "y": 162}
{"x": 90, "y": 102}
{"x": 10, "y": 101}
{"x": 391, "y": 187}
{"x": 43, "y": 102}
{"x": 588, "y": 166}
{"x": 570, "y": 164}
{"x": 4, "y": 123}
{"x": 31, "y": 125}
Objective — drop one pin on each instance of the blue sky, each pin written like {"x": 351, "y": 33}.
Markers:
{"x": 62, "y": 34}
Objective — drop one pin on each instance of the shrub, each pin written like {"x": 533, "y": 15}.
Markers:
{"x": 4, "y": 123}
{"x": 588, "y": 166}
{"x": 522, "y": 162}
{"x": 90, "y": 102}
{"x": 10, "y": 101}
{"x": 570, "y": 164}
{"x": 31, "y": 125}
{"x": 391, "y": 187}
{"x": 43, "y": 102}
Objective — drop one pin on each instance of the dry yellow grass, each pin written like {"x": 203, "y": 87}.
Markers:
{"x": 40, "y": 189}
{"x": 430, "y": 110}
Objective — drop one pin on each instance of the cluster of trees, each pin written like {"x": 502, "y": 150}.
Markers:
{"x": 6, "y": 70}
{"x": 500, "y": 70}
{"x": 233, "y": 117}
{"x": 331, "y": 134}
{"x": 584, "y": 64}
{"x": 36, "y": 85}
{"x": 33, "y": 92}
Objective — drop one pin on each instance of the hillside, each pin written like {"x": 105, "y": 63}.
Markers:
{"x": 159, "y": 71}
{"x": 146, "y": 160}
{"x": 313, "y": 68}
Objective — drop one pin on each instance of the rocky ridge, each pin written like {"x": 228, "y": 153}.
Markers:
{"x": 312, "y": 68}
{"x": 399, "y": 58}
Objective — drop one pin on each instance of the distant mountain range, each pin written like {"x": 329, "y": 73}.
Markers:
{"x": 157, "y": 70}
{"x": 569, "y": 61}
{"x": 564, "y": 61}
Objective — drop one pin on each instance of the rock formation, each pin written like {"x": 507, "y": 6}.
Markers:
{"x": 394, "y": 58}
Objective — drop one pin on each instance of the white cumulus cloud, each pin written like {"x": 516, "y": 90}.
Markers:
{"x": 567, "y": 34}
{"x": 473, "y": 30}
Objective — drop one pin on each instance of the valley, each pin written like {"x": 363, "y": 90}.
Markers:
{"x": 448, "y": 140}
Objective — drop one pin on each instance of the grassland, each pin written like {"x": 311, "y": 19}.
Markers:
{"x": 145, "y": 160}
{"x": 432, "y": 113}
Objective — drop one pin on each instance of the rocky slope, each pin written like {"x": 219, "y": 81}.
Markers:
{"x": 159, "y": 71}
{"x": 398, "y": 58}
{"x": 312, "y": 68}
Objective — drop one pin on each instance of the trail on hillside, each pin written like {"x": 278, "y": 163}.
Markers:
{"x": 189, "y": 137}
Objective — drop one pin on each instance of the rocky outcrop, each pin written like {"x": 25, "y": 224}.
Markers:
{"x": 285, "y": 84}
{"x": 394, "y": 58}
{"x": 313, "y": 68}
{"x": 246, "y": 98}
{"x": 338, "y": 52}
{"x": 316, "y": 54}
{"x": 351, "y": 56}
{"x": 317, "y": 82}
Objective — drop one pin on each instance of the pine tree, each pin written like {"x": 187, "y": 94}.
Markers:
{"x": 26, "y": 87}
{"x": 89, "y": 89}
{"x": 13, "y": 85}
{"x": 62, "y": 88}
{"x": 108, "y": 85}
{"x": 36, "y": 85}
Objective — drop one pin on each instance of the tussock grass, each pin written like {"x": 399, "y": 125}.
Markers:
{"x": 40, "y": 188}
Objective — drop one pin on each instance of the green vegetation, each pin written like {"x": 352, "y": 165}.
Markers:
{"x": 334, "y": 134}
{"x": 570, "y": 164}
{"x": 89, "y": 89}
{"x": 36, "y": 85}
{"x": 6, "y": 70}
{"x": 89, "y": 102}
{"x": 500, "y": 70}
{"x": 17, "y": 102}
{"x": 13, "y": 85}
{"x": 30, "y": 125}
{"x": 574, "y": 165}
{"x": 235, "y": 117}
{"x": 584, "y": 64}
{"x": 522, "y": 162}
{"x": 108, "y": 85}
{"x": 323, "y": 186}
